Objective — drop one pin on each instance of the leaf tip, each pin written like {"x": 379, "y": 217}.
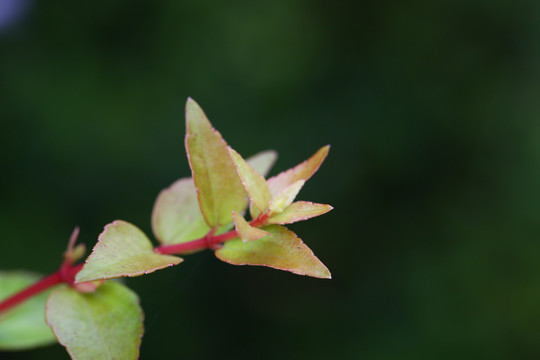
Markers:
{"x": 190, "y": 101}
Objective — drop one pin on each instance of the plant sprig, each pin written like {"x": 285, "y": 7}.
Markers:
{"x": 96, "y": 318}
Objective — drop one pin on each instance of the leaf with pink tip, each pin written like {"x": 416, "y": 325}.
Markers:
{"x": 285, "y": 197}
{"x": 123, "y": 250}
{"x": 283, "y": 250}
{"x": 253, "y": 182}
{"x": 302, "y": 171}
{"x": 104, "y": 324}
{"x": 219, "y": 188}
{"x": 299, "y": 211}
{"x": 246, "y": 231}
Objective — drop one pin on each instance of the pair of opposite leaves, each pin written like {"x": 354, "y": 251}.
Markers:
{"x": 215, "y": 199}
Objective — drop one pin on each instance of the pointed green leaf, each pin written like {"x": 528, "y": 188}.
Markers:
{"x": 246, "y": 231}
{"x": 219, "y": 188}
{"x": 285, "y": 197}
{"x": 176, "y": 217}
{"x": 299, "y": 211}
{"x": 262, "y": 162}
{"x": 302, "y": 171}
{"x": 23, "y": 327}
{"x": 253, "y": 182}
{"x": 283, "y": 250}
{"x": 123, "y": 250}
{"x": 105, "y": 324}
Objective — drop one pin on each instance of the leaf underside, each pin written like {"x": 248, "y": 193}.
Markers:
{"x": 299, "y": 211}
{"x": 106, "y": 324}
{"x": 263, "y": 161}
{"x": 219, "y": 188}
{"x": 302, "y": 171}
{"x": 24, "y": 326}
{"x": 123, "y": 250}
{"x": 176, "y": 217}
{"x": 283, "y": 250}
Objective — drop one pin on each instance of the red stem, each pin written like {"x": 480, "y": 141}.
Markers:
{"x": 208, "y": 241}
{"x": 67, "y": 272}
{"x": 63, "y": 275}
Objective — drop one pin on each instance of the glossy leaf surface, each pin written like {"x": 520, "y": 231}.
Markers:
{"x": 123, "y": 250}
{"x": 302, "y": 171}
{"x": 245, "y": 231}
{"x": 254, "y": 183}
{"x": 219, "y": 188}
{"x": 106, "y": 324}
{"x": 23, "y": 327}
{"x": 283, "y": 250}
{"x": 299, "y": 211}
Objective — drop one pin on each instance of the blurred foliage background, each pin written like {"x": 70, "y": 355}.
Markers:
{"x": 432, "y": 110}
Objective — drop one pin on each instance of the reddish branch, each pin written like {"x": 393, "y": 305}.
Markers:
{"x": 67, "y": 272}
{"x": 207, "y": 242}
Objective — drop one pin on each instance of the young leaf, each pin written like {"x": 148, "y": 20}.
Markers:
{"x": 23, "y": 327}
{"x": 253, "y": 182}
{"x": 246, "y": 231}
{"x": 105, "y": 324}
{"x": 283, "y": 250}
{"x": 285, "y": 197}
{"x": 262, "y": 162}
{"x": 176, "y": 217}
{"x": 299, "y": 211}
{"x": 74, "y": 252}
{"x": 123, "y": 250}
{"x": 219, "y": 188}
{"x": 302, "y": 171}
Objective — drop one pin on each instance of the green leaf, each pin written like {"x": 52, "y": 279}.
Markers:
{"x": 283, "y": 250}
{"x": 246, "y": 231}
{"x": 299, "y": 211}
{"x": 302, "y": 171}
{"x": 262, "y": 162}
{"x": 219, "y": 188}
{"x": 253, "y": 182}
{"x": 123, "y": 250}
{"x": 285, "y": 197}
{"x": 106, "y": 324}
{"x": 176, "y": 217}
{"x": 23, "y": 327}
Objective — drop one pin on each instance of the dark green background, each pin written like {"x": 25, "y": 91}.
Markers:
{"x": 432, "y": 109}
